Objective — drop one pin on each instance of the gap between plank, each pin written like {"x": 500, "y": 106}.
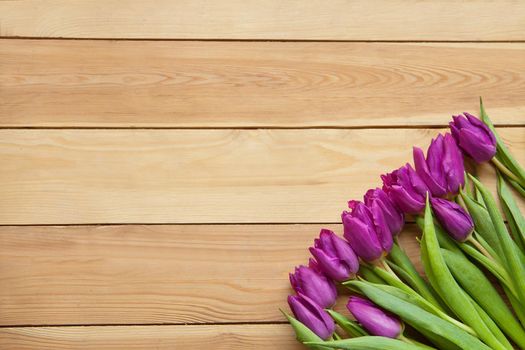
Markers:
{"x": 268, "y": 40}
{"x": 307, "y": 127}
{"x": 144, "y": 324}
{"x": 184, "y": 224}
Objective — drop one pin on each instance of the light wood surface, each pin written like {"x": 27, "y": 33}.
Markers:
{"x": 255, "y": 84}
{"x": 272, "y": 19}
{"x": 200, "y": 176}
{"x": 143, "y": 274}
{"x": 222, "y": 337}
{"x": 221, "y": 138}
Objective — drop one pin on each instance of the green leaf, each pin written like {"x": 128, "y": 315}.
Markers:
{"x": 417, "y": 317}
{"x": 419, "y": 301}
{"x": 503, "y": 154}
{"x": 483, "y": 292}
{"x": 392, "y": 280}
{"x": 444, "y": 283}
{"x": 514, "y": 262}
{"x": 368, "y": 274}
{"x": 402, "y": 266}
{"x": 512, "y": 212}
{"x": 372, "y": 343}
{"x": 483, "y": 223}
{"x": 437, "y": 340}
{"x": 492, "y": 326}
{"x": 349, "y": 326}
{"x": 518, "y": 308}
{"x": 445, "y": 241}
{"x": 493, "y": 267}
{"x": 518, "y": 187}
{"x": 304, "y": 334}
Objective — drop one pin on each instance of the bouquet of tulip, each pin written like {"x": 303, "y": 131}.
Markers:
{"x": 472, "y": 294}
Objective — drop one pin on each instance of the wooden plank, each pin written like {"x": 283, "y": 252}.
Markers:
{"x": 226, "y": 337}
{"x": 255, "y": 84}
{"x": 200, "y": 176}
{"x": 273, "y": 19}
{"x": 134, "y": 274}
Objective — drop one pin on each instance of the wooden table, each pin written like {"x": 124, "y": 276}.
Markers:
{"x": 165, "y": 164}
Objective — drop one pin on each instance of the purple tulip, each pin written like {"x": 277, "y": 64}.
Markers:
{"x": 473, "y": 137}
{"x": 334, "y": 256}
{"x": 311, "y": 315}
{"x": 406, "y": 189}
{"x": 366, "y": 231}
{"x": 307, "y": 281}
{"x": 375, "y": 320}
{"x": 453, "y": 218}
{"x": 377, "y": 199}
{"x": 443, "y": 170}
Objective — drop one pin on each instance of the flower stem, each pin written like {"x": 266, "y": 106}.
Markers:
{"x": 387, "y": 267}
{"x": 505, "y": 170}
{"x": 479, "y": 247}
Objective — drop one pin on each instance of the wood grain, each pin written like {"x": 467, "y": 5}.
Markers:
{"x": 200, "y": 176}
{"x": 135, "y": 274}
{"x": 273, "y": 19}
{"x": 226, "y": 337}
{"x": 57, "y": 83}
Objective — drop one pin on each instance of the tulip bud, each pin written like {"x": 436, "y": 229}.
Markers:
{"x": 453, "y": 218}
{"x": 374, "y": 319}
{"x": 473, "y": 137}
{"x": 366, "y": 231}
{"x": 406, "y": 189}
{"x": 312, "y": 315}
{"x": 316, "y": 286}
{"x": 443, "y": 170}
{"x": 334, "y": 256}
{"x": 394, "y": 217}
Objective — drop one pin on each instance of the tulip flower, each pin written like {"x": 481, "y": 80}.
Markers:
{"x": 473, "y": 137}
{"x": 443, "y": 170}
{"x": 366, "y": 231}
{"x": 377, "y": 199}
{"x": 406, "y": 189}
{"x": 453, "y": 218}
{"x": 307, "y": 281}
{"x": 334, "y": 256}
{"x": 374, "y": 319}
{"x": 312, "y": 315}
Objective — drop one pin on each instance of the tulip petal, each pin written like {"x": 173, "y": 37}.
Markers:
{"x": 330, "y": 265}
{"x": 362, "y": 238}
{"x": 453, "y": 218}
{"x": 381, "y": 227}
{"x": 453, "y": 165}
{"x": 311, "y": 315}
{"x": 423, "y": 171}
{"x": 476, "y": 147}
{"x": 408, "y": 203}
{"x": 314, "y": 285}
{"x": 373, "y": 319}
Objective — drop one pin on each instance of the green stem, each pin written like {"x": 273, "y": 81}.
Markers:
{"x": 479, "y": 247}
{"x": 506, "y": 171}
{"x": 387, "y": 268}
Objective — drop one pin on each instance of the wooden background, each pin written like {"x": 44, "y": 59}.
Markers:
{"x": 165, "y": 164}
